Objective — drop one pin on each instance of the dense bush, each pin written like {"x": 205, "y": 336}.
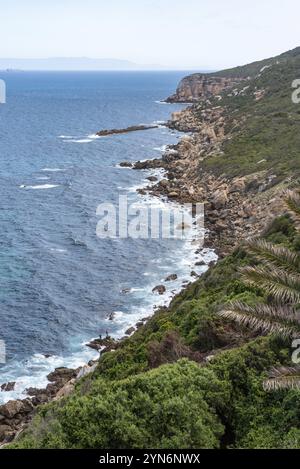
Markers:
{"x": 170, "y": 407}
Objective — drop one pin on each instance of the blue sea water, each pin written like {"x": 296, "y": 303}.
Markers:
{"x": 58, "y": 280}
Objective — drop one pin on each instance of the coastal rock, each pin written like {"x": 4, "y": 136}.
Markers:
{"x": 133, "y": 128}
{"x": 125, "y": 164}
{"x": 98, "y": 344}
{"x": 66, "y": 390}
{"x": 220, "y": 199}
{"x": 148, "y": 164}
{"x": 237, "y": 185}
{"x": 111, "y": 316}
{"x": 11, "y": 408}
{"x": 5, "y": 430}
{"x": 61, "y": 373}
{"x": 197, "y": 86}
{"x": 6, "y": 387}
{"x": 130, "y": 331}
{"x": 160, "y": 289}
{"x": 171, "y": 277}
{"x": 200, "y": 263}
{"x": 152, "y": 178}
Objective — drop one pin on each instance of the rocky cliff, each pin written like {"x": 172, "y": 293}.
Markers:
{"x": 195, "y": 87}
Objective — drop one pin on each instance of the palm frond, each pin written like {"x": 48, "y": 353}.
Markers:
{"x": 262, "y": 318}
{"x": 292, "y": 201}
{"x": 279, "y": 256}
{"x": 283, "y": 378}
{"x": 278, "y": 312}
{"x": 282, "y": 285}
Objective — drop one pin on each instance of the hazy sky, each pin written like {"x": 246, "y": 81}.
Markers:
{"x": 204, "y": 34}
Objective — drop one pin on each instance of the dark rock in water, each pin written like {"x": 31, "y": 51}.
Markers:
{"x": 133, "y": 128}
{"x": 125, "y": 164}
{"x": 98, "y": 344}
{"x": 111, "y": 316}
{"x": 139, "y": 324}
{"x": 148, "y": 164}
{"x": 160, "y": 289}
{"x": 200, "y": 263}
{"x": 171, "y": 277}
{"x": 8, "y": 386}
{"x": 152, "y": 178}
{"x": 34, "y": 391}
{"x": 130, "y": 331}
{"x": 47, "y": 355}
{"x": 194, "y": 274}
{"x": 126, "y": 290}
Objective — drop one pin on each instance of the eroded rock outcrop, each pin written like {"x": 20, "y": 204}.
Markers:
{"x": 199, "y": 86}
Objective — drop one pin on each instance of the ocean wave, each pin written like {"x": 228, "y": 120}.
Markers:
{"x": 161, "y": 149}
{"x": 93, "y": 136}
{"x": 81, "y": 140}
{"x": 39, "y": 186}
{"x": 33, "y": 372}
{"x": 52, "y": 170}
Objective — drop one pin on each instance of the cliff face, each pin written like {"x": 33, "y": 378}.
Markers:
{"x": 195, "y": 87}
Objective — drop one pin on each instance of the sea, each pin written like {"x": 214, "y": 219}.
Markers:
{"x": 60, "y": 284}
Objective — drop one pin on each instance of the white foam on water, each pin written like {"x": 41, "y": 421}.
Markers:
{"x": 81, "y": 140}
{"x": 33, "y": 372}
{"x": 94, "y": 136}
{"x": 161, "y": 149}
{"x": 66, "y": 136}
{"x": 39, "y": 186}
{"x": 43, "y": 178}
{"x": 52, "y": 170}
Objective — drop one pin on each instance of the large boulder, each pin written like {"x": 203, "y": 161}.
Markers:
{"x": 12, "y": 408}
{"x": 220, "y": 199}
{"x": 4, "y": 431}
{"x": 237, "y": 185}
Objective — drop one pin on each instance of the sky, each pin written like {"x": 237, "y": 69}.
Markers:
{"x": 178, "y": 34}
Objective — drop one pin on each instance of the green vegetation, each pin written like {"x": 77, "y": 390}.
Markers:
{"x": 263, "y": 133}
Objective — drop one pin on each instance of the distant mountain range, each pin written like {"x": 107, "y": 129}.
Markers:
{"x": 73, "y": 63}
